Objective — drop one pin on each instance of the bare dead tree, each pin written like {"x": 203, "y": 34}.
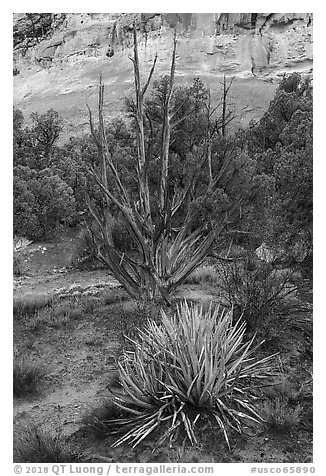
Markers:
{"x": 227, "y": 115}
{"x": 213, "y": 126}
{"x": 216, "y": 116}
{"x": 166, "y": 254}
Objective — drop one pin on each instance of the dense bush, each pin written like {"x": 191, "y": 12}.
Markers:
{"x": 192, "y": 367}
{"x": 258, "y": 291}
{"x": 42, "y": 202}
{"x": 281, "y": 142}
{"x": 24, "y": 208}
{"x": 34, "y": 146}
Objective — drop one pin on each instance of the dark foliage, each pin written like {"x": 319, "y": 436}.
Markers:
{"x": 269, "y": 166}
{"x": 282, "y": 144}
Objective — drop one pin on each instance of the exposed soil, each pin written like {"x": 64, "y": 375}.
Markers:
{"x": 47, "y": 267}
{"x": 79, "y": 360}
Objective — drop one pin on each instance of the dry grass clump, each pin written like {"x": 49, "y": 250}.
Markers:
{"x": 26, "y": 376}
{"x": 18, "y": 265}
{"x": 34, "y": 445}
{"x": 29, "y": 304}
{"x": 55, "y": 316}
{"x": 202, "y": 275}
{"x": 279, "y": 416}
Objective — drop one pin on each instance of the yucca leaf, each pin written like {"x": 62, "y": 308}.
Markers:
{"x": 191, "y": 386}
{"x": 188, "y": 428}
{"x": 145, "y": 434}
{"x": 221, "y": 425}
{"x": 126, "y": 408}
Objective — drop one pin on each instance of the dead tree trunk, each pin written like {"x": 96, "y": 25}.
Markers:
{"x": 166, "y": 255}
{"x": 227, "y": 116}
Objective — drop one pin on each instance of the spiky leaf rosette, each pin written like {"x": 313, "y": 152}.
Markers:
{"x": 193, "y": 364}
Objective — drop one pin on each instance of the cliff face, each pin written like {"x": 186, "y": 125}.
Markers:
{"x": 58, "y": 59}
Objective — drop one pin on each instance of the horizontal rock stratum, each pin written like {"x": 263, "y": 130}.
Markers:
{"x": 58, "y": 59}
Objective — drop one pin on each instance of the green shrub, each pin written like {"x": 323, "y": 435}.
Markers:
{"x": 33, "y": 445}
{"x": 279, "y": 416}
{"x": 26, "y": 376}
{"x": 43, "y": 202}
{"x": 192, "y": 366}
{"x": 257, "y": 290}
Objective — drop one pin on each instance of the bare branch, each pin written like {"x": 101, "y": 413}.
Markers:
{"x": 150, "y": 76}
{"x": 139, "y": 116}
{"x": 181, "y": 119}
{"x": 94, "y": 136}
{"x": 107, "y": 192}
{"x": 166, "y": 133}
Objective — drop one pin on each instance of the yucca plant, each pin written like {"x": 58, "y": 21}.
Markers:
{"x": 194, "y": 365}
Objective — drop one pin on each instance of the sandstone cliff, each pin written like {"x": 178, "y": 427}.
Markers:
{"x": 58, "y": 59}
